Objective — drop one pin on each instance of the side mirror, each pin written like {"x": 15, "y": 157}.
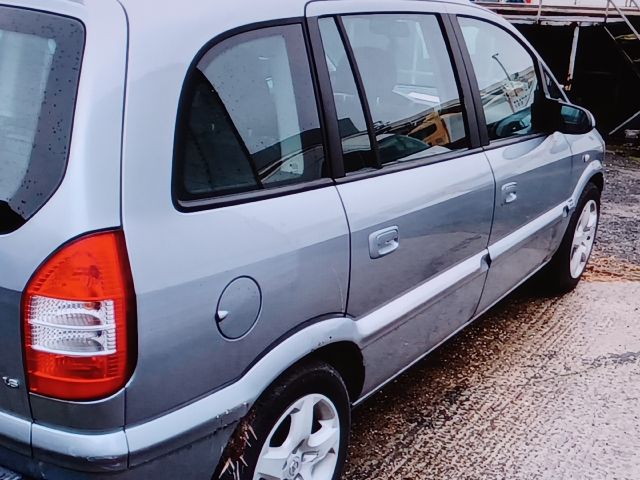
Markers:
{"x": 575, "y": 120}
{"x": 549, "y": 115}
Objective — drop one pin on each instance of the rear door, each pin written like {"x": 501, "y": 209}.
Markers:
{"x": 418, "y": 198}
{"x": 532, "y": 167}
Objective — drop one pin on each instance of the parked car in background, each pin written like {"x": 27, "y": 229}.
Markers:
{"x": 222, "y": 225}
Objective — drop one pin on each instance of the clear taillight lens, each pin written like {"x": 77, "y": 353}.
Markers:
{"x": 77, "y": 315}
{"x": 82, "y": 329}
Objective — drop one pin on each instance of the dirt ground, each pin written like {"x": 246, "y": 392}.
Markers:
{"x": 538, "y": 388}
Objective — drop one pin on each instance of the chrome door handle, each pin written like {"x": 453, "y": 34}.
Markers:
{"x": 509, "y": 193}
{"x": 383, "y": 242}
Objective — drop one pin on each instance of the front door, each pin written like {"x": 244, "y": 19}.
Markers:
{"x": 532, "y": 168}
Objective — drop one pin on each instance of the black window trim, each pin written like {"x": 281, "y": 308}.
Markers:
{"x": 332, "y": 132}
{"x": 464, "y": 81}
{"x": 408, "y": 165}
{"x": 213, "y": 202}
{"x": 364, "y": 102}
{"x": 475, "y": 122}
{"x": 482, "y": 121}
{"x": 464, "y": 88}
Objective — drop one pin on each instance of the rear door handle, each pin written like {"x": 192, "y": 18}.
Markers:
{"x": 383, "y": 242}
{"x": 509, "y": 193}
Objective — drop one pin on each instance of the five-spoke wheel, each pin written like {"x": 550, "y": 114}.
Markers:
{"x": 299, "y": 429}
{"x": 565, "y": 269}
{"x": 304, "y": 443}
{"x": 583, "y": 238}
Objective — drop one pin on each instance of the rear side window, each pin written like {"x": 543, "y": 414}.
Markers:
{"x": 40, "y": 58}
{"x": 410, "y": 85}
{"x": 250, "y": 118}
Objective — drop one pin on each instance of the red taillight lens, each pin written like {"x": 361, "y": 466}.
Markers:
{"x": 77, "y": 313}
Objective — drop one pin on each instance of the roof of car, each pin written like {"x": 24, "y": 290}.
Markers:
{"x": 239, "y": 4}
{"x": 196, "y": 22}
{"x": 212, "y": 15}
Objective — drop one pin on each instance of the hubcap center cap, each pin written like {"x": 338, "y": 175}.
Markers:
{"x": 293, "y": 466}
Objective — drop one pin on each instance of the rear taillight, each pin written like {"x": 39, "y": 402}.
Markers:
{"x": 77, "y": 320}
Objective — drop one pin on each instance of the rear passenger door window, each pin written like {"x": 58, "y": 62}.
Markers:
{"x": 507, "y": 79}
{"x": 408, "y": 80}
{"x": 250, "y": 120}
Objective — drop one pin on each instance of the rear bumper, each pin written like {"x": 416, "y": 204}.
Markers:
{"x": 195, "y": 462}
{"x": 36, "y": 451}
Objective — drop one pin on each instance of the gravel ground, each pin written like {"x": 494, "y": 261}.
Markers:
{"x": 618, "y": 245}
{"x": 539, "y": 388}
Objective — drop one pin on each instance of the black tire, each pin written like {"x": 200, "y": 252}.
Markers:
{"x": 556, "y": 277}
{"x": 241, "y": 455}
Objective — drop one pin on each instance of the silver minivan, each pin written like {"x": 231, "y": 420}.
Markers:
{"x": 224, "y": 224}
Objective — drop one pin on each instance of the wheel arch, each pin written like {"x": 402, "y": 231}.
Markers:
{"x": 598, "y": 180}
{"x": 593, "y": 173}
{"x": 347, "y": 359}
{"x": 344, "y": 356}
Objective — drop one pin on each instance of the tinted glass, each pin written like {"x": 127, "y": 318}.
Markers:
{"x": 356, "y": 147}
{"x": 40, "y": 57}
{"x": 251, "y": 120}
{"x": 409, "y": 83}
{"x": 506, "y": 76}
